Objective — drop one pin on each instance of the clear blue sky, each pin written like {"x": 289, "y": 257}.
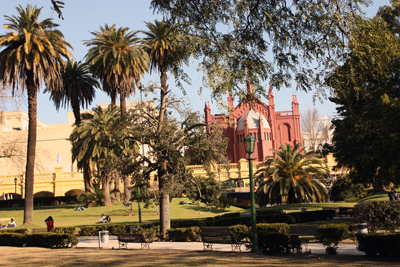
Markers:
{"x": 84, "y": 16}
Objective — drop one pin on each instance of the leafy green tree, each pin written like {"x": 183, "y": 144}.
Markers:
{"x": 168, "y": 49}
{"x": 291, "y": 177}
{"x": 167, "y": 149}
{"x": 78, "y": 88}
{"x": 234, "y": 37}
{"x": 366, "y": 141}
{"x": 31, "y": 56}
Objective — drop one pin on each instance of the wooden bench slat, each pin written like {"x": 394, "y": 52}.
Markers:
{"x": 124, "y": 239}
{"x": 218, "y": 235}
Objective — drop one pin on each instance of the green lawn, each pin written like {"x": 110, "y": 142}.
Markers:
{"x": 65, "y": 215}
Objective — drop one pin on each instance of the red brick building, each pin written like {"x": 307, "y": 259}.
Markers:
{"x": 270, "y": 128}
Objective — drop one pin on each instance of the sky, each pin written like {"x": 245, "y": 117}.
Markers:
{"x": 84, "y": 16}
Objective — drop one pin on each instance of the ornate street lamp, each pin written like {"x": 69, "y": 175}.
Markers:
{"x": 249, "y": 144}
{"x": 15, "y": 182}
{"x": 330, "y": 180}
{"x": 22, "y": 189}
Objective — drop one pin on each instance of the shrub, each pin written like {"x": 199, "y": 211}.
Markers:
{"x": 65, "y": 230}
{"x": 241, "y": 231}
{"x": 12, "y": 239}
{"x": 183, "y": 234}
{"x": 89, "y": 230}
{"x": 374, "y": 244}
{"x": 150, "y": 233}
{"x": 19, "y": 231}
{"x": 50, "y": 240}
{"x": 379, "y": 215}
{"x": 331, "y": 234}
{"x": 273, "y": 242}
{"x": 345, "y": 189}
{"x": 282, "y": 228}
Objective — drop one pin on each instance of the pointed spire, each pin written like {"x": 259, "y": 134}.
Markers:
{"x": 230, "y": 101}
{"x": 270, "y": 96}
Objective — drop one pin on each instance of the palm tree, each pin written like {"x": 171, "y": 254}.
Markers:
{"x": 168, "y": 50}
{"x": 78, "y": 88}
{"x": 291, "y": 177}
{"x": 32, "y": 54}
{"x": 93, "y": 144}
{"x": 117, "y": 58}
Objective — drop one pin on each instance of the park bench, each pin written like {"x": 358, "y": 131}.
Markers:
{"x": 219, "y": 235}
{"x": 39, "y": 230}
{"x": 124, "y": 239}
{"x": 304, "y": 230}
{"x": 345, "y": 211}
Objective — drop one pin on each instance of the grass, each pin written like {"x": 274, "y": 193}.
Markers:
{"x": 65, "y": 215}
{"x": 38, "y": 257}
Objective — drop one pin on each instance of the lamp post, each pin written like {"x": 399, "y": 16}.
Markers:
{"x": 15, "y": 182}
{"x": 330, "y": 180}
{"x": 22, "y": 189}
{"x": 249, "y": 147}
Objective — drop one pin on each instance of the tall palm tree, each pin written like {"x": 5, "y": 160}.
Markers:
{"x": 168, "y": 50}
{"x": 291, "y": 177}
{"x": 117, "y": 58}
{"x": 78, "y": 88}
{"x": 93, "y": 144}
{"x": 32, "y": 55}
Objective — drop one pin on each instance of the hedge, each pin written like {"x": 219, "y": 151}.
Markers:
{"x": 183, "y": 234}
{"x": 383, "y": 245}
{"x": 379, "y": 215}
{"x": 47, "y": 240}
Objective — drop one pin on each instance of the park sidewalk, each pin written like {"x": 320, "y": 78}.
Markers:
{"x": 93, "y": 242}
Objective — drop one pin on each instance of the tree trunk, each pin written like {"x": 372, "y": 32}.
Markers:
{"x": 106, "y": 190}
{"x": 86, "y": 178}
{"x": 165, "y": 218}
{"x": 127, "y": 191}
{"x": 117, "y": 188}
{"x": 77, "y": 113}
{"x": 31, "y": 149}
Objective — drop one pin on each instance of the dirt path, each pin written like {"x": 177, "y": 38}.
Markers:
{"x": 32, "y": 257}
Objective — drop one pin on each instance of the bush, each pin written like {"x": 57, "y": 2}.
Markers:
{"x": 345, "y": 189}
{"x": 150, "y": 233}
{"x": 273, "y": 242}
{"x": 379, "y": 215}
{"x": 241, "y": 231}
{"x": 384, "y": 245}
{"x": 183, "y": 234}
{"x": 331, "y": 234}
{"x": 65, "y": 230}
{"x": 282, "y": 228}
{"x": 19, "y": 231}
{"x": 48, "y": 240}
{"x": 12, "y": 239}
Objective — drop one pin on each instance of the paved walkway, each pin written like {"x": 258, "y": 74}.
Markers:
{"x": 93, "y": 242}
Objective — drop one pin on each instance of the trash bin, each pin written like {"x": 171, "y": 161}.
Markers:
{"x": 304, "y": 209}
{"x": 362, "y": 228}
{"x": 104, "y": 237}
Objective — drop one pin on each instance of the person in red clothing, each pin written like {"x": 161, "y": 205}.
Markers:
{"x": 50, "y": 224}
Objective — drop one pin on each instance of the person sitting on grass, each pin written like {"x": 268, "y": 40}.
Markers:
{"x": 12, "y": 223}
{"x": 107, "y": 219}
{"x": 102, "y": 218}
